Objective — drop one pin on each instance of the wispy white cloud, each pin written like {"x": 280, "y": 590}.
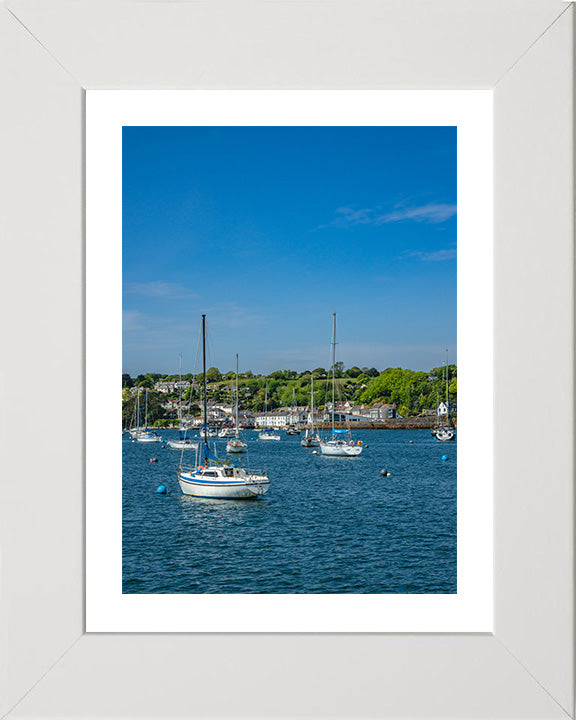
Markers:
{"x": 430, "y": 213}
{"x": 154, "y": 339}
{"x": 133, "y": 321}
{"x": 159, "y": 289}
{"x": 435, "y": 256}
{"x": 227, "y": 315}
{"x": 433, "y": 213}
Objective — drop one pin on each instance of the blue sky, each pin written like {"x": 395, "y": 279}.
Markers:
{"x": 270, "y": 230}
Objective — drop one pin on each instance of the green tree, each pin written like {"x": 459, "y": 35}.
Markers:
{"x": 371, "y": 372}
{"x": 144, "y": 381}
{"x": 154, "y": 406}
{"x": 339, "y": 369}
{"x": 213, "y": 375}
{"x": 353, "y": 372}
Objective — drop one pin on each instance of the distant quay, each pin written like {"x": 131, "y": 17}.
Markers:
{"x": 406, "y": 423}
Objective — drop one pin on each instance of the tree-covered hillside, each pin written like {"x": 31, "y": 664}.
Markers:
{"x": 411, "y": 391}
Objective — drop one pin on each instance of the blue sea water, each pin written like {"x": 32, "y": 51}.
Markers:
{"x": 326, "y": 525}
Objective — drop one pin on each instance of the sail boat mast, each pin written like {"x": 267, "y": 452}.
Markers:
{"x": 180, "y": 392}
{"x": 333, "y": 370}
{"x": 312, "y": 402}
{"x": 446, "y": 380}
{"x": 204, "y": 378}
{"x": 236, "y": 394}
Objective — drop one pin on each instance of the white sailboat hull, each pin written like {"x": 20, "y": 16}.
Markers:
{"x": 267, "y": 436}
{"x": 445, "y": 434}
{"x": 146, "y": 438}
{"x": 310, "y": 442}
{"x": 231, "y": 447}
{"x": 338, "y": 449}
{"x": 242, "y": 486}
{"x": 182, "y": 445}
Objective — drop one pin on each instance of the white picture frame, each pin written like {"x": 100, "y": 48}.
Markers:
{"x": 55, "y": 50}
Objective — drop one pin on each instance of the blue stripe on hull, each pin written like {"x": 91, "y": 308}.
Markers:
{"x": 211, "y": 482}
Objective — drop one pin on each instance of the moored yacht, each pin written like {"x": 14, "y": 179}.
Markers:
{"x": 311, "y": 437}
{"x": 145, "y": 435}
{"x": 236, "y": 444}
{"x": 336, "y": 444}
{"x": 214, "y": 479}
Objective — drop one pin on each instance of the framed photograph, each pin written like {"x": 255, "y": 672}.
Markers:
{"x": 432, "y": 146}
{"x": 73, "y": 643}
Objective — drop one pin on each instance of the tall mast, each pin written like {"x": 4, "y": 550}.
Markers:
{"x": 446, "y": 379}
{"x": 204, "y": 375}
{"x": 333, "y": 368}
{"x": 236, "y": 394}
{"x": 146, "y": 410}
{"x": 312, "y": 403}
{"x": 180, "y": 392}
{"x": 447, "y": 401}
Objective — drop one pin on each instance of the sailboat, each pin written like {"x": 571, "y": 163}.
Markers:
{"x": 183, "y": 442}
{"x": 134, "y": 428}
{"x": 267, "y": 434}
{"x": 214, "y": 479}
{"x": 236, "y": 445}
{"x": 445, "y": 431}
{"x": 293, "y": 428}
{"x": 145, "y": 435}
{"x": 336, "y": 445}
{"x": 311, "y": 437}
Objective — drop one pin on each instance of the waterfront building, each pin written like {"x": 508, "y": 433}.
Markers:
{"x": 170, "y": 386}
{"x": 446, "y": 407}
{"x": 382, "y": 411}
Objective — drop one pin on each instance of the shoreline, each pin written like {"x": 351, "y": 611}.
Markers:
{"x": 412, "y": 423}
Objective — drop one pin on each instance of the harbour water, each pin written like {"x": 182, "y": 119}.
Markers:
{"x": 326, "y": 525}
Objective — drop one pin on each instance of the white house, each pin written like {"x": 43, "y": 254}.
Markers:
{"x": 224, "y": 407}
{"x": 164, "y": 387}
{"x": 444, "y": 407}
{"x": 382, "y": 411}
{"x": 276, "y": 418}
